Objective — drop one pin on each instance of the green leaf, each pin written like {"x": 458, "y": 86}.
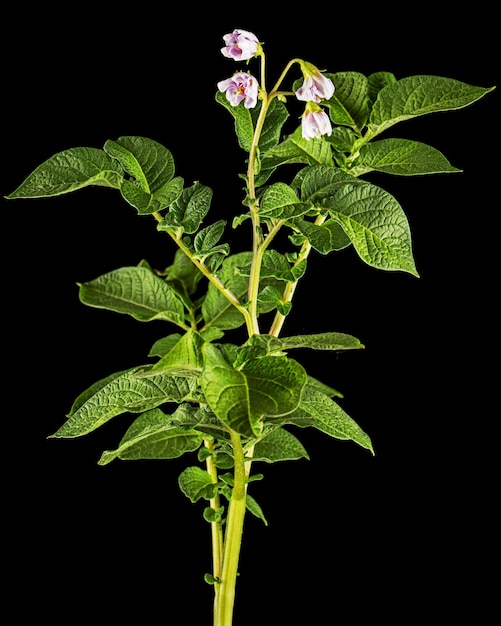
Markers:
{"x": 280, "y": 202}
{"x": 403, "y": 157}
{"x": 122, "y": 393}
{"x": 183, "y": 274}
{"x": 321, "y": 412}
{"x": 153, "y": 436}
{"x": 420, "y": 95}
{"x": 136, "y": 291}
{"x": 322, "y": 341}
{"x": 349, "y": 104}
{"x": 269, "y": 386}
{"x": 68, "y": 171}
{"x": 196, "y": 483}
{"x": 376, "y": 225}
{"x": 189, "y": 210}
{"x": 321, "y": 181}
{"x": 279, "y": 445}
{"x": 324, "y": 238}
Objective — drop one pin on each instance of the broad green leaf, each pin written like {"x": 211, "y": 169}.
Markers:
{"x": 68, "y": 171}
{"x": 419, "y": 95}
{"x": 244, "y": 127}
{"x": 189, "y": 210}
{"x": 349, "y": 104}
{"x": 276, "y": 116}
{"x": 124, "y": 393}
{"x": 153, "y": 436}
{"x": 321, "y": 412}
{"x": 321, "y": 181}
{"x": 276, "y": 265}
{"x": 269, "y": 386}
{"x": 184, "y": 359}
{"x": 376, "y": 225}
{"x": 136, "y": 291}
{"x": 280, "y": 202}
{"x": 279, "y": 445}
{"x": 197, "y": 483}
{"x": 403, "y": 157}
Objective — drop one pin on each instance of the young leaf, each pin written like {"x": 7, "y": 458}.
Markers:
{"x": 184, "y": 359}
{"x": 68, "y": 171}
{"x": 135, "y": 291}
{"x": 280, "y": 202}
{"x": 403, "y": 157}
{"x": 376, "y": 225}
{"x": 122, "y": 393}
{"x": 324, "y": 238}
{"x": 196, "y": 483}
{"x": 254, "y": 508}
{"x": 419, "y": 95}
{"x": 153, "y": 436}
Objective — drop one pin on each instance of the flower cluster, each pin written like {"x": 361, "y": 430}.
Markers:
{"x": 242, "y": 45}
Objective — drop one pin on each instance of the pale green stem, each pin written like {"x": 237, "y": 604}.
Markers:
{"x": 216, "y": 530}
{"x": 233, "y": 536}
{"x": 290, "y": 288}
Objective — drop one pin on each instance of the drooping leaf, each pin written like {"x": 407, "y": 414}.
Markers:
{"x": 68, "y": 171}
{"x": 420, "y": 95}
{"x": 122, "y": 393}
{"x": 153, "y": 435}
{"x": 135, "y": 291}
{"x": 279, "y": 445}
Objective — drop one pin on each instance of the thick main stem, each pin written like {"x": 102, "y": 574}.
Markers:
{"x": 233, "y": 537}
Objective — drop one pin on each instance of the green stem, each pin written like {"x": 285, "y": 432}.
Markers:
{"x": 233, "y": 536}
{"x": 216, "y": 530}
{"x": 290, "y": 288}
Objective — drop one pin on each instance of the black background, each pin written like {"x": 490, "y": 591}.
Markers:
{"x": 408, "y": 533}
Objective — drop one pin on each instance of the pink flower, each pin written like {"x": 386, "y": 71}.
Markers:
{"x": 315, "y": 122}
{"x": 315, "y": 88}
{"x": 240, "y": 45}
{"x": 241, "y": 86}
